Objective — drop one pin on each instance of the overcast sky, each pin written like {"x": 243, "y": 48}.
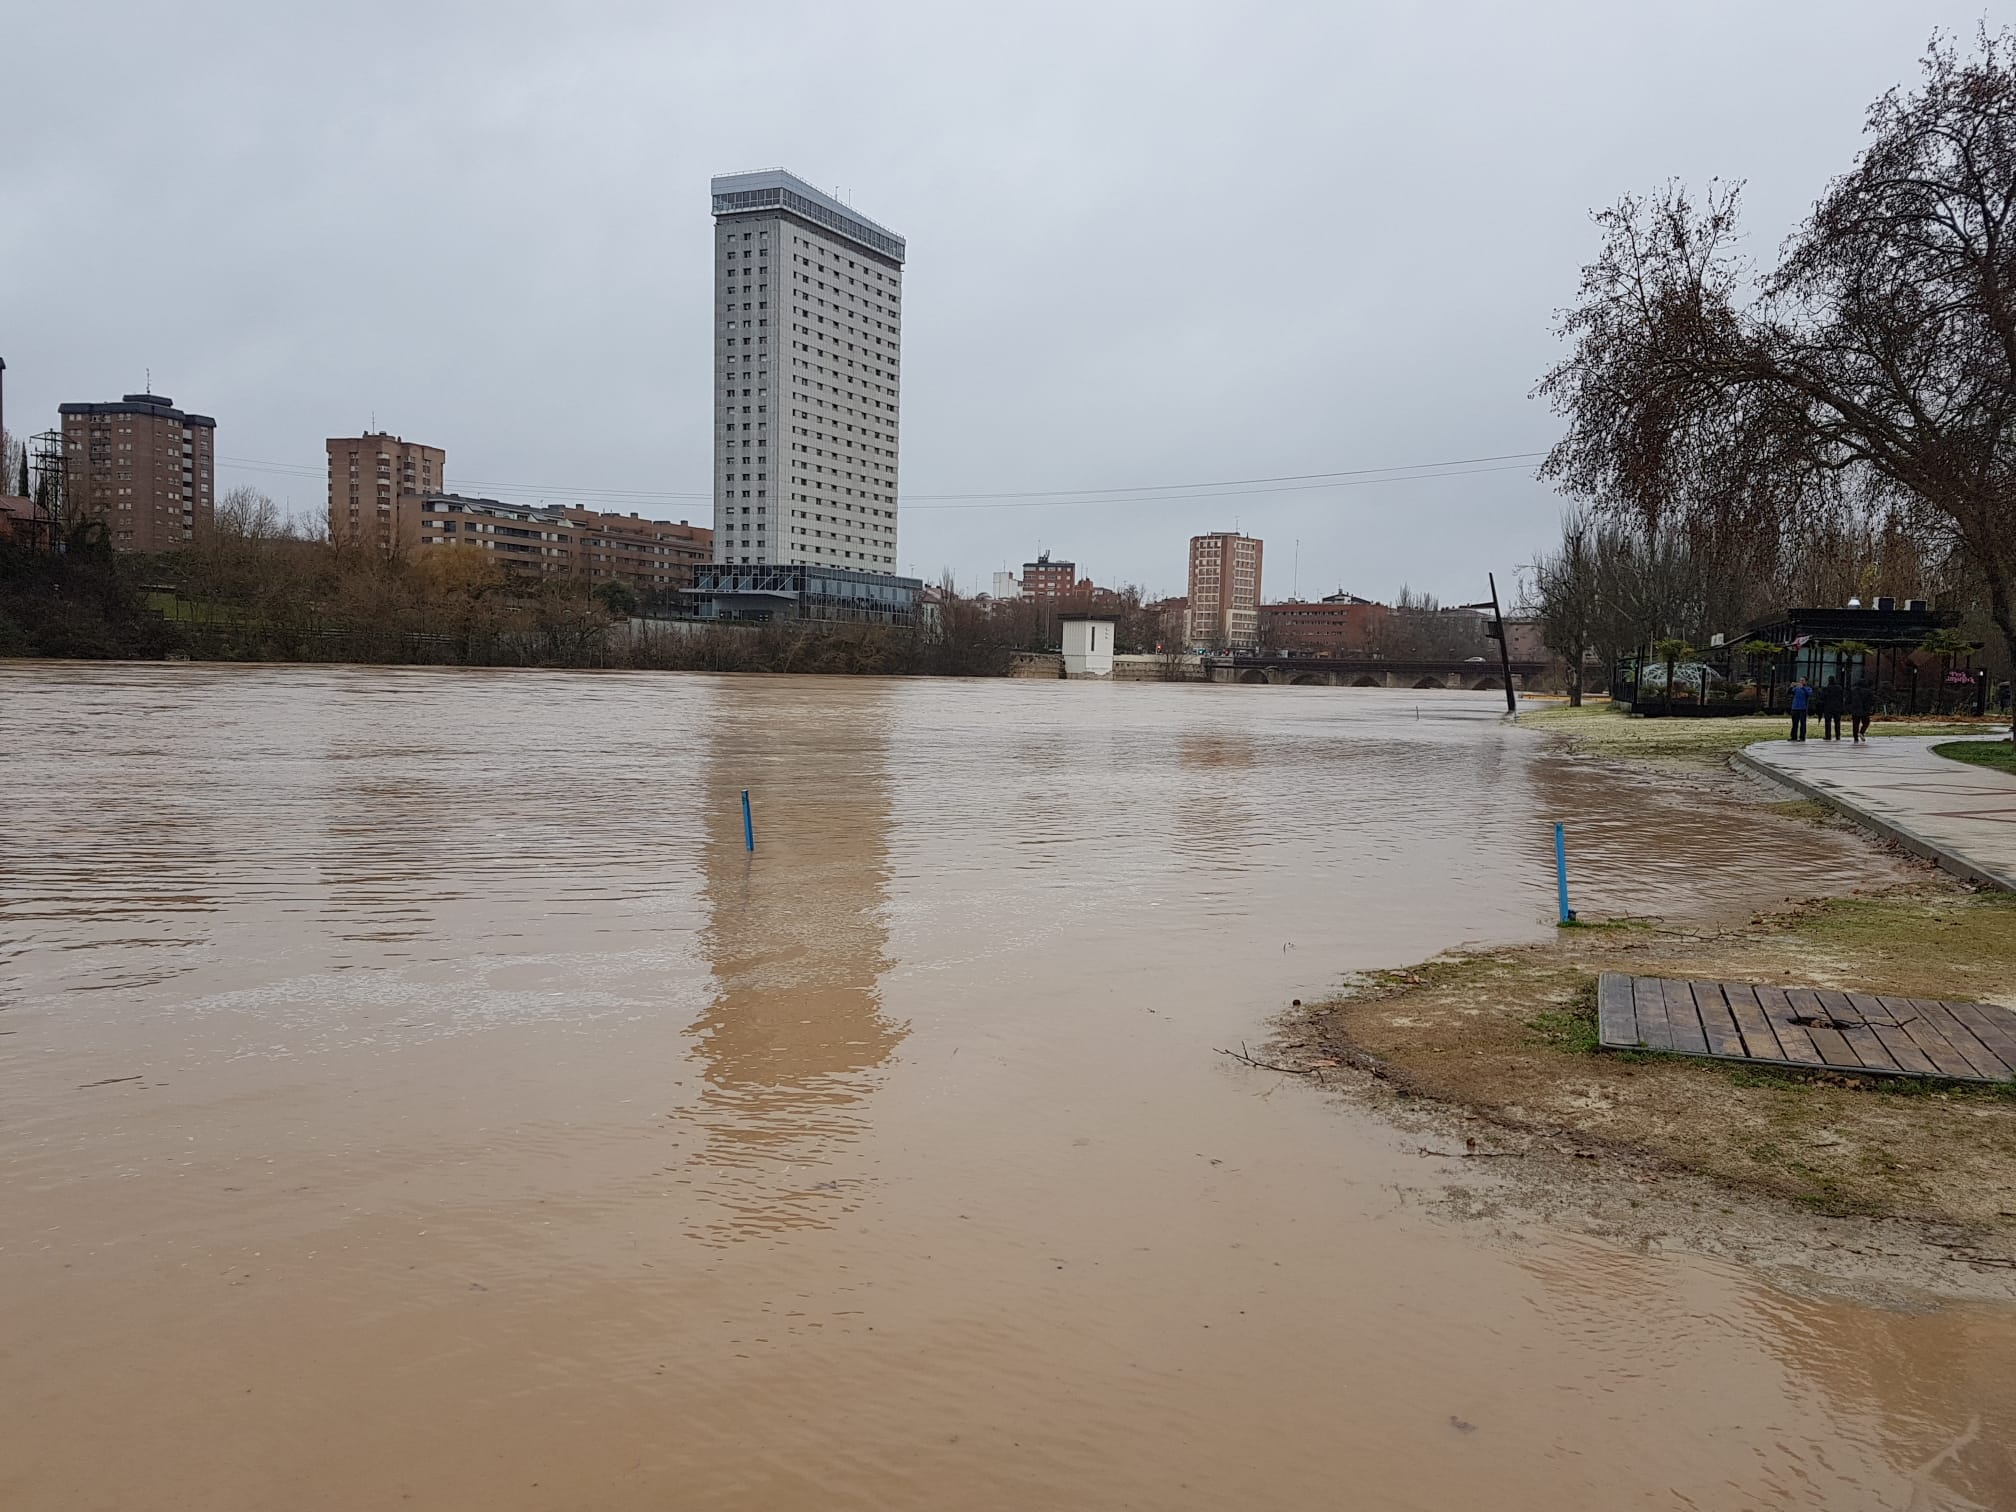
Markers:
{"x": 1150, "y": 244}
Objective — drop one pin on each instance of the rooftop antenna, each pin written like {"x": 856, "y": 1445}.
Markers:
{"x": 150, "y": 379}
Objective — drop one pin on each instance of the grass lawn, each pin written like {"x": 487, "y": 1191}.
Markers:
{"x": 1599, "y": 730}
{"x": 1998, "y": 754}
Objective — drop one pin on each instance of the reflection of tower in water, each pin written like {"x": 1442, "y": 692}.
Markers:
{"x": 1213, "y": 822}
{"x": 794, "y": 1038}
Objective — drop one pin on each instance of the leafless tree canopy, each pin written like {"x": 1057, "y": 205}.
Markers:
{"x": 1865, "y": 383}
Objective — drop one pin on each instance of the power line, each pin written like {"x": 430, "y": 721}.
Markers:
{"x": 1139, "y": 493}
{"x": 1248, "y": 492}
{"x": 1356, "y": 472}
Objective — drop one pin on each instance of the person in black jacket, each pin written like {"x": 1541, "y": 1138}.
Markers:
{"x": 1831, "y": 700}
{"x": 1861, "y": 704}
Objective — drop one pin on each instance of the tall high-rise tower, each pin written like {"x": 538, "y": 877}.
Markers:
{"x": 808, "y": 309}
{"x": 1224, "y": 609}
{"x": 368, "y": 475}
{"x": 143, "y": 467}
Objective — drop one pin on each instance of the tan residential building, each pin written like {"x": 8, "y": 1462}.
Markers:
{"x": 552, "y": 541}
{"x": 367, "y": 475}
{"x": 1224, "y": 592}
{"x": 1044, "y": 578}
{"x": 142, "y": 466}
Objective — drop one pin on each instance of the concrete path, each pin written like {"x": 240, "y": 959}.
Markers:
{"x": 1963, "y": 817}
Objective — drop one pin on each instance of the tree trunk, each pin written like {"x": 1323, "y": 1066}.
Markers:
{"x": 2003, "y": 613}
{"x": 1575, "y": 682}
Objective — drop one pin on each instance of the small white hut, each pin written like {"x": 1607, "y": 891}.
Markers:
{"x": 1088, "y": 645}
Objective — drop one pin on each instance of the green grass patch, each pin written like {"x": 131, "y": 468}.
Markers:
{"x": 1756, "y": 1076}
{"x": 1572, "y": 1026}
{"x": 1597, "y": 729}
{"x": 1997, "y": 755}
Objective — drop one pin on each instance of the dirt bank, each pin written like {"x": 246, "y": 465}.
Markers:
{"x": 1862, "y": 1179}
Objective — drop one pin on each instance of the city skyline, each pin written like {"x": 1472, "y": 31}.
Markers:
{"x": 1100, "y": 307}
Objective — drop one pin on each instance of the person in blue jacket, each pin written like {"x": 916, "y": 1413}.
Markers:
{"x": 1802, "y": 697}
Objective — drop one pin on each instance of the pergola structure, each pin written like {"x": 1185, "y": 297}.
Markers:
{"x": 1883, "y": 642}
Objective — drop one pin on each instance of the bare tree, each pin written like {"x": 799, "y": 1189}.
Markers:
{"x": 1873, "y": 369}
{"x": 13, "y": 465}
{"x": 1565, "y": 590}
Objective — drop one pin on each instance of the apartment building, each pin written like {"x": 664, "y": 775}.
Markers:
{"x": 367, "y": 476}
{"x": 554, "y": 541}
{"x": 1224, "y": 592}
{"x": 808, "y": 316}
{"x": 1342, "y": 624}
{"x": 1044, "y": 578}
{"x": 143, "y": 467}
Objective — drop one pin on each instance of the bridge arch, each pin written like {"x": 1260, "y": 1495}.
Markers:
{"x": 1428, "y": 682}
{"x": 1486, "y": 684}
{"x": 1253, "y": 675}
{"x": 1309, "y": 680}
{"x": 1367, "y": 680}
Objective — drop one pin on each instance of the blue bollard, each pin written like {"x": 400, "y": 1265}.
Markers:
{"x": 749, "y": 829}
{"x": 1561, "y": 875}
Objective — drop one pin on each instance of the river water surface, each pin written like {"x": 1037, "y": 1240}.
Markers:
{"x": 413, "y": 1094}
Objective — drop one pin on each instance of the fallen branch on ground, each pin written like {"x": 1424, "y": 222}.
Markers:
{"x": 1244, "y": 1059}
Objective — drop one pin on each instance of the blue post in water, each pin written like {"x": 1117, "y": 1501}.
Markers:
{"x": 749, "y": 830}
{"x": 1561, "y": 875}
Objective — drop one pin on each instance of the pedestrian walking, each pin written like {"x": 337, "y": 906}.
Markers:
{"x": 1802, "y": 697}
{"x": 1861, "y": 704}
{"x": 1832, "y": 698}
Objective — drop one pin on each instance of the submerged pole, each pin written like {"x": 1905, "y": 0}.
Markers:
{"x": 1561, "y": 875}
{"x": 1504, "y": 649}
{"x": 749, "y": 829}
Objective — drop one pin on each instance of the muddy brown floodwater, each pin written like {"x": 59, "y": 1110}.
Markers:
{"x": 412, "y": 1094}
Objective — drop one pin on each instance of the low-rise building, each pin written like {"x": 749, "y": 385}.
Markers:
{"x": 554, "y": 541}
{"x": 1342, "y": 624}
{"x": 1044, "y": 578}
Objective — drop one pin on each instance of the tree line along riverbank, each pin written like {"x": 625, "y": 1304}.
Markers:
{"x": 242, "y": 596}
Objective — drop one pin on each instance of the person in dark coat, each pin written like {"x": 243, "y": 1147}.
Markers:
{"x": 1802, "y": 696}
{"x": 1861, "y": 704}
{"x": 1831, "y": 701}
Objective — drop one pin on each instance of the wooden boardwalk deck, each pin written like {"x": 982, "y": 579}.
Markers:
{"x": 1808, "y": 1028}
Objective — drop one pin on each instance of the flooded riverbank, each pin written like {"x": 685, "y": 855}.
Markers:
{"x": 413, "y": 1089}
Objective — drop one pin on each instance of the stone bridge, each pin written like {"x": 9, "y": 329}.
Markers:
{"x": 1367, "y": 672}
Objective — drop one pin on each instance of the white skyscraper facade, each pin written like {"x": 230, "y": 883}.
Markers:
{"x": 808, "y": 299}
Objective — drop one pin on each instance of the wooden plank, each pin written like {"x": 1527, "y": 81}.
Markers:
{"x": 1683, "y": 1018}
{"x": 1798, "y": 1044}
{"x": 1986, "y": 1063}
{"x": 1653, "y": 1032}
{"x": 1994, "y": 1027}
{"x": 1927, "y": 1036}
{"x": 1861, "y": 1038}
{"x": 1759, "y": 1042}
{"x": 1616, "y": 1013}
{"x": 1717, "y": 1022}
{"x": 1805, "y": 1003}
{"x": 1903, "y": 1049}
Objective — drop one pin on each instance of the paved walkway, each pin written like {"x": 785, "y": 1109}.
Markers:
{"x": 1963, "y": 817}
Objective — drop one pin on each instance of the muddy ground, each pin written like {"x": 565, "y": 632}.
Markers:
{"x": 1880, "y": 1186}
